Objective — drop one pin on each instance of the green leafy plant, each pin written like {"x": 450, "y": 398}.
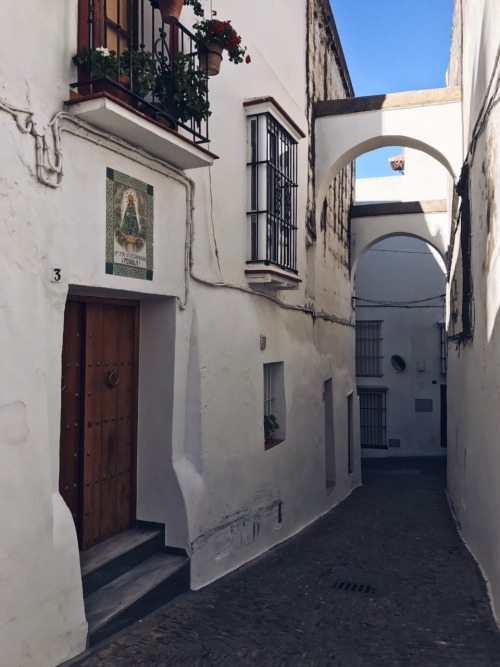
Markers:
{"x": 270, "y": 425}
{"x": 143, "y": 71}
{"x": 101, "y": 62}
{"x": 182, "y": 90}
{"x": 223, "y": 34}
{"x": 196, "y": 5}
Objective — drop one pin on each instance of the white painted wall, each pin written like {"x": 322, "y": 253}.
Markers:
{"x": 202, "y": 466}
{"x": 474, "y": 455}
{"x": 404, "y": 269}
{"x": 422, "y": 175}
{"x": 433, "y": 227}
{"x": 241, "y": 522}
{"x": 429, "y": 127}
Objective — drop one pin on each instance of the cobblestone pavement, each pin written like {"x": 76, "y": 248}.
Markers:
{"x": 428, "y": 608}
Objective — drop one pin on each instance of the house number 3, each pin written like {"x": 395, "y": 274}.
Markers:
{"x": 56, "y": 275}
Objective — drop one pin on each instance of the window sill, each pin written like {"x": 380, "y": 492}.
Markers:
{"x": 269, "y": 443}
{"x": 271, "y": 278}
{"x": 121, "y": 120}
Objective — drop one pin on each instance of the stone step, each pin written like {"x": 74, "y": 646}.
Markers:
{"x": 132, "y": 595}
{"x": 117, "y": 555}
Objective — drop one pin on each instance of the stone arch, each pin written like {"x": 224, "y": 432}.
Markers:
{"x": 428, "y": 120}
{"x": 372, "y": 144}
{"x": 382, "y": 237}
{"x": 427, "y": 221}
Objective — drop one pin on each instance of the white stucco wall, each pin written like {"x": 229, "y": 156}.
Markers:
{"x": 202, "y": 466}
{"x": 404, "y": 269}
{"x": 231, "y": 527}
{"x": 423, "y": 177}
{"x": 474, "y": 455}
{"x": 423, "y": 120}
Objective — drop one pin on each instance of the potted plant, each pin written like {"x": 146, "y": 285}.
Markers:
{"x": 139, "y": 65}
{"x": 102, "y": 63}
{"x": 98, "y": 63}
{"x": 170, "y": 10}
{"x": 270, "y": 425}
{"x": 183, "y": 90}
{"x": 217, "y": 36}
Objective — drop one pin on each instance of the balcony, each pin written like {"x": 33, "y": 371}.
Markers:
{"x": 141, "y": 79}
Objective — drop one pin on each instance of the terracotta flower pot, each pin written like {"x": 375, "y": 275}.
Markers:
{"x": 211, "y": 58}
{"x": 170, "y": 10}
{"x": 114, "y": 91}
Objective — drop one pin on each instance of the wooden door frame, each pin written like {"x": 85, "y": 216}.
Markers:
{"x": 134, "y": 303}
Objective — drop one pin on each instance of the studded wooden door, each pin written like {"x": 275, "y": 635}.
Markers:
{"x": 98, "y": 417}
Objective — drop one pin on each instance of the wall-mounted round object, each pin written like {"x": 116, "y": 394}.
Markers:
{"x": 398, "y": 363}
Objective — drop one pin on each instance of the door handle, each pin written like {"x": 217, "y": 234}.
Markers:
{"x": 113, "y": 379}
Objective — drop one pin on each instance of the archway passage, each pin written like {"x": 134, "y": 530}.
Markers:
{"x": 371, "y": 223}
{"x": 400, "y": 367}
{"x": 427, "y": 120}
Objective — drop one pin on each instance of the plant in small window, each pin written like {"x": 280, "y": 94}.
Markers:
{"x": 217, "y": 36}
{"x": 270, "y": 425}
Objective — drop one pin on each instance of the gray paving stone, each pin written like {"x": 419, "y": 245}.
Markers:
{"x": 429, "y": 607}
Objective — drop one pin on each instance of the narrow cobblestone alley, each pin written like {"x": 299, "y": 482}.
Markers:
{"x": 422, "y": 601}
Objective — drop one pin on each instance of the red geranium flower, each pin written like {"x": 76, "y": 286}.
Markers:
{"x": 223, "y": 34}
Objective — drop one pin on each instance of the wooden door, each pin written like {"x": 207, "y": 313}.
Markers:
{"x": 99, "y": 393}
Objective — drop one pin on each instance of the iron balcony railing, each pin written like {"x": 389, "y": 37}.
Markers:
{"x": 156, "y": 68}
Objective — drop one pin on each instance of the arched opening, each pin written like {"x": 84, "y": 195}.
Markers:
{"x": 399, "y": 240}
{"x": 439, "y": 254}
{"x": 400, "y": 369}
{"x": 370, "y": 144}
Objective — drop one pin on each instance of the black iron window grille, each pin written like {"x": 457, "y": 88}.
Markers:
{"x": 372, "y": 408}
{"x": 444, "y": 349}
{"x": 156, "y": 69}
{"x": 368, "y": 348}
{"x": 272, "y": 165}
{"x": 269, "y": 396}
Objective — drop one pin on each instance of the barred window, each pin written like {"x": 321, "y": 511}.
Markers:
{"x": 274, "y": 404}
{"x": 368, "y": 348}
{"x": 372, "y": 408}
{"x": 272, "y": 164}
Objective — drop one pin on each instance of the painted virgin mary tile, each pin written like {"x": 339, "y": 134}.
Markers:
{"x": 129, "y": 226}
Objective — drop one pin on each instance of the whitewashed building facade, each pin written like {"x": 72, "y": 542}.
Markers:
{"x": 474, "y": 372}
{"x": 154, "y": 308}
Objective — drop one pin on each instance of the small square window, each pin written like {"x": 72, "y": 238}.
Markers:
{"x": 274, "y": 404}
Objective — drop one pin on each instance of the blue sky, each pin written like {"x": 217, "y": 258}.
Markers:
{"x": 393, "y": 46}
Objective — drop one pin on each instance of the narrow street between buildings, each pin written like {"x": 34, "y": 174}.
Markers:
{"x": 383, "y": 580}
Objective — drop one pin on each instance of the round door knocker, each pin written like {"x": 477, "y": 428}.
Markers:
{"x": 112, "y": 380}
